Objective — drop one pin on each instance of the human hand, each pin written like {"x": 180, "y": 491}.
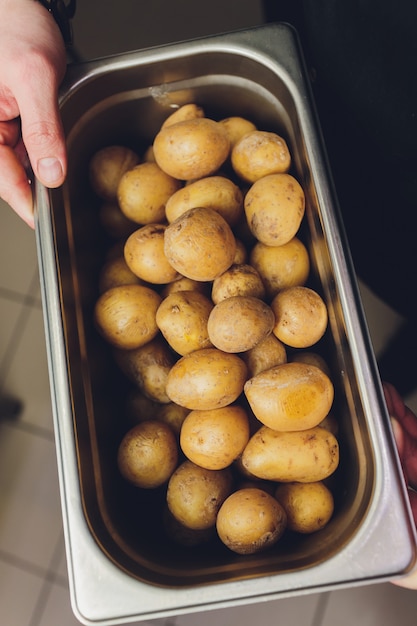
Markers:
{"x": 404, "y": 424}
{"x": 32, "y": 65}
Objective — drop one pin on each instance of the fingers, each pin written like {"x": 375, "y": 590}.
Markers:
{"x": 15, "y": 188}
{"x": 42, "y": 131}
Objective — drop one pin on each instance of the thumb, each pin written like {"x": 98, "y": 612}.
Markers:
{"x": 43, "y": 137}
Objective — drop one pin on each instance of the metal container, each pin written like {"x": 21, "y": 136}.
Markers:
{"x": 121, "y": 568}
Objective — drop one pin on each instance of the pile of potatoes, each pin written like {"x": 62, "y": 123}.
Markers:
{"x": 204, "y": 300}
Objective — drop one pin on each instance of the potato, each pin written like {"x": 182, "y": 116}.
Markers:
{"x": 206, "y": 379}
{"x": 148, "y": 367}
{"x": 106, "y": 168}
{"x": 139, "y": 408}
{"x": 191, "y": 149}
{"x": 114, "y": 222}
{"x": 291, "y": 396}
{"x": 281, "y": 266}
{"x": 215, "y": 438}
{"x": 200, "y": 244}
{"x": 125, "y": 316}
{"x": 185, "y": 112}
{"x": 195, "y": 494}
{"x": 180, "y": 534}
{"x": 214, "y": 192}
{"x": 274, "y": 207}
{"x": 250, "y": 520}
{"x": 148, "y": 454}
{"x": 241, "y": 254}
{"x": 173, "y": 415}
{"x": 114, "y": 273}
{"x": 266, "y": 354}
{"x": 311, "y": 358}
{"x": 259, "y": 153}
{"x": 309, "y": 506}
{"x": 239, "y": 323}
{"x": 144, "y": 191}
{"x": 182, "y": 319}
{"x": 300, "y": 316}
{"x": 144, "y": 255}
{"x": 305, "y": 456}
{"x": 238, "y": 280}
{"x": 235, "y": 127}
{"x": 186, "y": 284}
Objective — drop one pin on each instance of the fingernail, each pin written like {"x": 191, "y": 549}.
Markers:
{"x": 50, "y": 170}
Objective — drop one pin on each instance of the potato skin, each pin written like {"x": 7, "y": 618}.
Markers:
{"x": 295, "y": 456}
{"x": 195, "y": 494}
{"x": 200, "y": 244}
{"x": 126, "y": 315}
{"x": 300, "y": 316}
{"x": 206, "y": 379}
{"x": 274, "y": 208}
{"x": 259, "y": 153}
{"x": 191, "y": 149}
{"x": 309, "y": 506}
{"x": 215, "y": 438}
{"x": 266, "y": 354}
{"x": 182, "y": 318}
{"x": 148, "y": 454}
{"x": 291, "y": 396}
{"x": 239, "y": 280}
{"x": 214, "y": 192}
{"x": 250, "y": 520}
{"x": 145, "y": 257}
{"x": 239, "y": 323}
{"x": 281, "y": 266}
{"x": 107, "y": 167}
{"x": 143, "y": 192}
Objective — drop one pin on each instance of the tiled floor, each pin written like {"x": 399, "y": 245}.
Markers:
{"x": 33, "y": 578}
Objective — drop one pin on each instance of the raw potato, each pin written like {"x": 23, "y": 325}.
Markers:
{"x": 305, "y": 456}
{"x": 258, "y": 154}
{"x": 206, "y": 379}
{"x": 291, "y": 396}
{"x": 300, "y": 316}
{"x": 144, "y": 254}
{"x": 309, "y": 506}
{"x": 185, "y": 284}
{"x": 191, "y": 149}
{"x": 268, "y": 353}
{"x": 185, "y": 112}
{"x": 182, "y": 319}
{"x": 200, "y": 244}
{"x": 239, "y": 323}
{"x": 250, "y": 520}
{"x": 144, "y": 191}
{"x": 114, "y": 273}
{"x": 148, "y": 454}
{"x": 281, "y": 266}
{"x": 106, "y": 168}
{"x": 173, "y": 415}
{"x": 311, "y": 358}
{"x": 148, "y": 367}
{"x": 195, "y": 494}
{"x": 182, "y": 535}
{"x": 215, "y": 438}
{"x": 274, "y": 207}
{"x": 126, "y": 316}
{"x": 236, "y": 127}
{"x": 115, "y": 223}
{"x": 239, "y": 280}
{"x": 214, "y": 192}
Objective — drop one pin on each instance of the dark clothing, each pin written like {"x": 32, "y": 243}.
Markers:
{"x": 364, "y": 57}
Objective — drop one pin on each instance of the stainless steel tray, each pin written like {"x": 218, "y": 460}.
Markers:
{"x": 120, "y": 569}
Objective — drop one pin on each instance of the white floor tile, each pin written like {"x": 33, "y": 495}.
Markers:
{"x": 286, "y": 612}
{"x": 19, "y": 591}
{"x": 27, "y": 377}
{"x": 375, "y": 605}
{"x": 30, "y": 518}
{"x": 57, "y": 610}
